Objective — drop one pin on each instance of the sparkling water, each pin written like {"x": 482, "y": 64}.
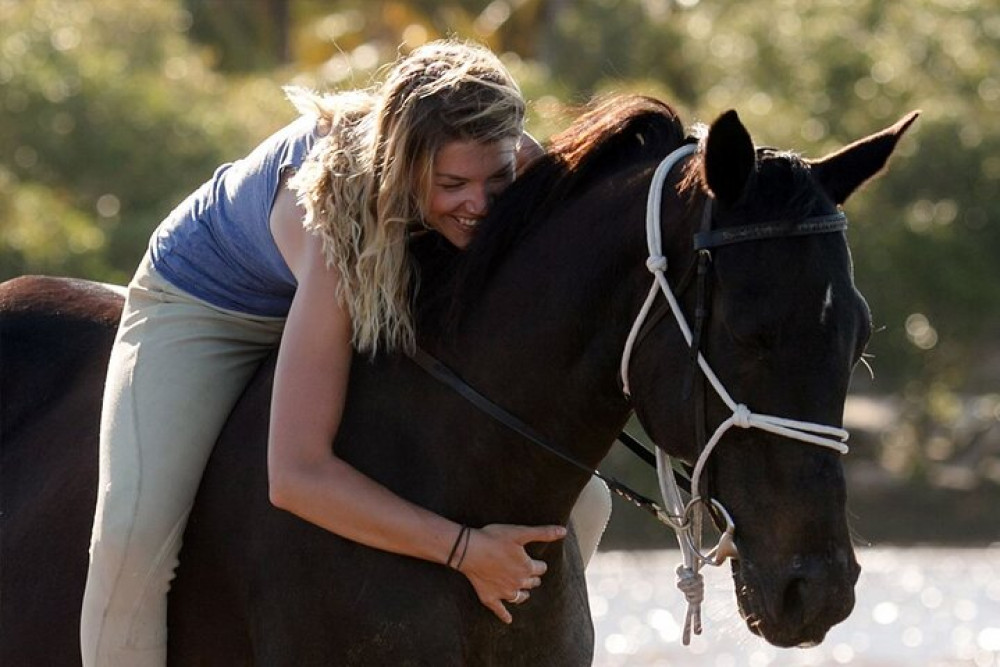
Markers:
{"x": 916, "y": 607}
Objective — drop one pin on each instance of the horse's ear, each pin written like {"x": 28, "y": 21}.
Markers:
{"x": 843, "y": 172}
{"x": 729, "y": 158}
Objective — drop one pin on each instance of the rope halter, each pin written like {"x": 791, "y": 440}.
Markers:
{"x": 686, "y": 518}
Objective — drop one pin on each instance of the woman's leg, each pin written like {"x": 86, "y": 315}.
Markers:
{"x": 590, "y": 517}
{"x": 176, "y": 370}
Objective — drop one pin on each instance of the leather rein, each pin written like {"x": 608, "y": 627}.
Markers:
{"x": 446, "y": 375}
{"x": 684, "y": 518}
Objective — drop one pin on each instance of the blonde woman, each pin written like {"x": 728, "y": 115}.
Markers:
{"x": 300, "y": 245}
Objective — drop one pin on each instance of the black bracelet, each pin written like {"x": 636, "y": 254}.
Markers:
{"x": 465, "y": 549}
{"x": 454, "y": 548}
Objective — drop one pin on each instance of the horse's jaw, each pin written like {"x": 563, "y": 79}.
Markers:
{"x": 795, "y": 605}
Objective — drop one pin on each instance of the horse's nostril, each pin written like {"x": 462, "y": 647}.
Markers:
{"x": 794, "y": 600}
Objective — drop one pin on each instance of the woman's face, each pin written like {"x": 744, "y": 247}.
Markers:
{"x": 465, "y": 177}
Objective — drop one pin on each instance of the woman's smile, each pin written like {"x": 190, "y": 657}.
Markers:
{"x": 466, "y": 176}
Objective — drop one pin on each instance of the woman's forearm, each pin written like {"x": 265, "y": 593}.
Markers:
{"x": 307, "y": 479}
{"x": 334, "y": 495}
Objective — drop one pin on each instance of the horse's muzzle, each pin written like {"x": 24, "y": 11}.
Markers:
{"x": 797, "y": 604}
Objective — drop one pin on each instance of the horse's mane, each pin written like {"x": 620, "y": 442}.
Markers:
{"x": 611, "y": 133}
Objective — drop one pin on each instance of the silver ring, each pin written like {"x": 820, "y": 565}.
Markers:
{"x": 518, "y": 598}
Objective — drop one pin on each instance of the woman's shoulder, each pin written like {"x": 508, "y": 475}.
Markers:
{"x": 287, "y": 146}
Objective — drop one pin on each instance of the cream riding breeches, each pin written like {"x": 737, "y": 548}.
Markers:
{"x": 177, "y": 368}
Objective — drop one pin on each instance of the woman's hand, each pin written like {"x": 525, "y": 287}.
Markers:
{"x": 500, "y": 569}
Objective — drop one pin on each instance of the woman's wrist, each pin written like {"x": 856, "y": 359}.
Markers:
{"x": 459, "y": 548}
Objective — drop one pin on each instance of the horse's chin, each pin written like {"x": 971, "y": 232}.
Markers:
{"x": 779, "y": 623}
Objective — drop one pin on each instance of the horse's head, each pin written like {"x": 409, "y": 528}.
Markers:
{"x": 549, "y": 288}
{"x": 782, "y": 327}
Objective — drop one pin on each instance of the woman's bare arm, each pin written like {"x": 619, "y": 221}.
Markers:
{"x": 309, "y": 480}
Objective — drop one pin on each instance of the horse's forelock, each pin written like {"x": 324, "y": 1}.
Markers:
{"x": 783, "y": 188}
{"x": 785, "y": 182}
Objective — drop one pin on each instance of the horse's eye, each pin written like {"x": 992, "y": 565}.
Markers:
{"x": 756, "y": 343}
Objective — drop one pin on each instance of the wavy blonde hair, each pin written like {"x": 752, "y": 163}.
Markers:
{"x": 368, "y": 180}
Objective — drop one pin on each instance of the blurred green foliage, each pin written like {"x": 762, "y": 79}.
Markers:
{"x": 111, "y": 111}
{"x": 108, "y": 117}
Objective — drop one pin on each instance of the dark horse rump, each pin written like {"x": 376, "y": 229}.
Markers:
{"x": 55, "y": 338}
{"x": 535, "y": 315}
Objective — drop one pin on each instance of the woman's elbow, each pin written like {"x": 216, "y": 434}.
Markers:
{"x": 293, "y": 484}
{"x": 283, "y": 486}
{"x": 277, "y": 491}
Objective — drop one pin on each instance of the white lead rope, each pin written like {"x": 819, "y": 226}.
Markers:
{"x": 685, "y": 519}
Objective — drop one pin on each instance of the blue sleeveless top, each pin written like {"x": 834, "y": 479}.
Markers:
{"x": 217, "y": 244}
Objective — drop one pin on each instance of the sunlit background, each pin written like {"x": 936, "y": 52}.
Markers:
{"x": 916, "y": 607}
{"x": 112, "y": 110}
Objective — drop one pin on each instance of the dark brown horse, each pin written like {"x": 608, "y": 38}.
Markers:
{"x": 534, "y": 315}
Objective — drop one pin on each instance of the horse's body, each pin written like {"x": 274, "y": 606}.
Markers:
{"x": 542, "y": 335}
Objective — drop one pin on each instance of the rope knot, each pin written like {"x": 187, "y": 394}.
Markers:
{"x": 656, "y": 263}
{"x": 742, "y": 415}
{"x": 691, "y": 583}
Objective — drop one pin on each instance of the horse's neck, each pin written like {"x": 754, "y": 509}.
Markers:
{"x": 546, "y": 339}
